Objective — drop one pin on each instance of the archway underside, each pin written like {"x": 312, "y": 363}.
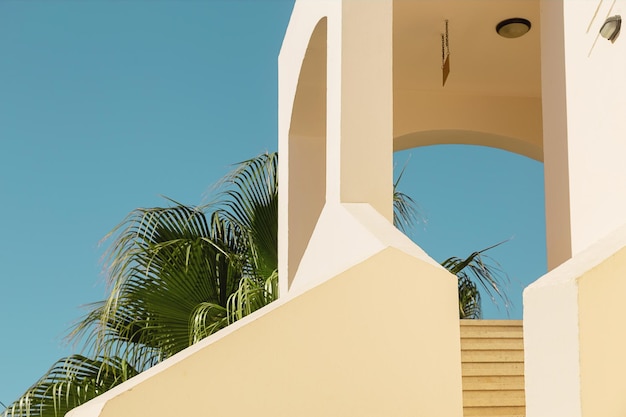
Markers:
{"x": 492, "y": 94}
{"x": 468, "y": 137}
{"x": 435, "y": 118}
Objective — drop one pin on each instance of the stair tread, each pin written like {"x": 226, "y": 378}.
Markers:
{"x": 492, "y": 356}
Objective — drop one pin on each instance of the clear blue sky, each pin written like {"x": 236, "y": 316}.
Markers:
{"x": 107, "y": 105}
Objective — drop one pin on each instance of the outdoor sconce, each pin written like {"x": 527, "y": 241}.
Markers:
{"x": 513, "y": 28}
{"x": 610, "y": 28}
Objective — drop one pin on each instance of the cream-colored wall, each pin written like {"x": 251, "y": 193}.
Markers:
{"x": 573, "y": 342}
{"x": 602, "y": 338}
{"x": 584, "y": 141}
{"x": 362, "y": 344}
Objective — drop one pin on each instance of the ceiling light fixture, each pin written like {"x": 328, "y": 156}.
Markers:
{"x": 611, "y": 27}
{"x": 513, "y": 28}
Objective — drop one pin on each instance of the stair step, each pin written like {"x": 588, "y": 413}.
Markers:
{"x": 492, "y": 356}
{"x": 495, "y": 412}
{"x": 490, "y": 383}
{"x": 493, "y": 398}
{"x": 491, "y": 344}
{"x": 492, "y": 369}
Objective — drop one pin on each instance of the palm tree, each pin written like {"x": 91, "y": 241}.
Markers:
{"x": 172, "y": 271}
{"x": 175, "y": 275}
{"x": 178, "y": 274}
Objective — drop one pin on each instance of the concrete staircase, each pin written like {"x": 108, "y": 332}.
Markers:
{"x": 492, "y": 355}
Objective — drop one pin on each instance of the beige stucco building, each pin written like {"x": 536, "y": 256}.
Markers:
{"x": 359, "y": 79}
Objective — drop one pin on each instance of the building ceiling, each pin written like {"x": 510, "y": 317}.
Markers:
{"x": 481, "y": 61}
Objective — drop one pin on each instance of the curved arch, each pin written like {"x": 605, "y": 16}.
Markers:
{"x": 512, "y": 123}
{"x": 468, "y": 137}
{"x": 474, "y": 196}
{"x": 304, "y": 139}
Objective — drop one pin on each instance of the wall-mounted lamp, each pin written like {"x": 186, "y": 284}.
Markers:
{"x": 610, "y": 28}
{"x": 513, "y": 28}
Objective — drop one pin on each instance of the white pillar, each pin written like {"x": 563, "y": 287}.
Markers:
{"x": 584, "y": 135}
{"x": 572, "y": 364}
{"x": 335, "y": 121}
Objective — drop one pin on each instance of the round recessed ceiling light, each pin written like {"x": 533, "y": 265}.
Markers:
{"x": 513, "y": 28}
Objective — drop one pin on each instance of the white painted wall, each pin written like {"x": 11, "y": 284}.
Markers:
{"x": 355, "y": 90}
{"x": 573, "y": 342}
{"x": 583, "y": 114}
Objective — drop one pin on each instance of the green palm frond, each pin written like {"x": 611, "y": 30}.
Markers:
{"x": 252, "y": 295}
{"x": 472, "y": 272}
{"x": 163, "y": 263}
{"x": 205, "y": 320}
{"x": 172, "y": 271}
{"x": 405, "y": 212}
{"x": 469, "y": 298}
{"x": 250, "y": 201}
{"x": 174, "y": 275}
{"x": 72, "y": 381}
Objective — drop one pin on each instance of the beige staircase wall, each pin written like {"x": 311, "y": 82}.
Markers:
{"x": 492, "y": 355}
{"x": 340, "y": 349}
{"x": 573, "y": 337}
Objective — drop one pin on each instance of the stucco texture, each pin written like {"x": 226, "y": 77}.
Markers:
{"x": 361, "y": 344}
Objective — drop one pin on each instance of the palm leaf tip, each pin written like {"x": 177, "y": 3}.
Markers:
{"x": 474, "y": 273}
{"x": 406, "y": 213}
